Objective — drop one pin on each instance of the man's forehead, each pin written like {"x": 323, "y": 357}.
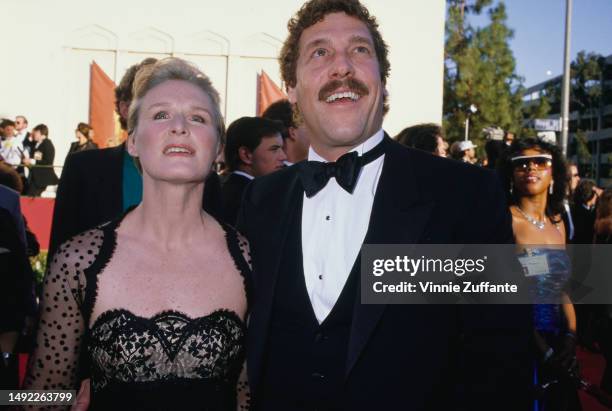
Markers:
{"x": 336, "y": 26}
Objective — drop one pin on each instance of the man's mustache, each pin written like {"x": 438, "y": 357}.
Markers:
{"x": 351, "y": 84}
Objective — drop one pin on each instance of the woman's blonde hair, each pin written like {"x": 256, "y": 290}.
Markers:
{"x": 173, "y": 68}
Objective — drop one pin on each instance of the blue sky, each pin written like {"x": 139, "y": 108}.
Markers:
{"x": 539, "y": 33}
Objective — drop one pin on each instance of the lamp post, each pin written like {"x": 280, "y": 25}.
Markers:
{"x": 566, "y": 78}
{"x": 472, "y": 109}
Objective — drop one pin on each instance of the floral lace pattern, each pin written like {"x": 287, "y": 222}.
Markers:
{"x": 170, "y": 345}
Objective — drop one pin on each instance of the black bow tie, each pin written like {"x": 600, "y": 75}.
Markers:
{"x": 315, "y": 174}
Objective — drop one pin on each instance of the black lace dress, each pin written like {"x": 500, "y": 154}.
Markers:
{"x": 166, "y": 362}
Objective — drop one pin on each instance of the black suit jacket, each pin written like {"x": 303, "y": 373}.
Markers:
{"x": 42, "y": 175}
{"x": 406, "y": 357}
{"x": 231, "y": 195}
{"x": 90, "y": 192}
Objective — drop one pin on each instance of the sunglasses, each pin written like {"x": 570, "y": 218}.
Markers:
{"x": 539, "y": 162}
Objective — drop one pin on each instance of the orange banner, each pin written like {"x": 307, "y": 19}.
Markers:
{"x": 267, "y": 92}
{"x": 101, "y": 106}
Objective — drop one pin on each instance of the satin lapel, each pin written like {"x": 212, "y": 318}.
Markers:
{"x": 399, "y": 215}
{"x": 288, "y": 213}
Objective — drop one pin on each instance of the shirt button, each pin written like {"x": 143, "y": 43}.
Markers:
{"x": 317, "y": 376}
{"x": 320, "y": 276}
{"x": 327, "y": 218}
{"x": 318, "y": 337}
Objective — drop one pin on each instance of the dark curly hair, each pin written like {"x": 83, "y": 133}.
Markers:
{"x": 123, "y": 92}
{"x": 554, "y": 205}
{"x": 315, "y": 11}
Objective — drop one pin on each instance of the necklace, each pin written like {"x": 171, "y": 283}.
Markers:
{"x": 538, "y": 224}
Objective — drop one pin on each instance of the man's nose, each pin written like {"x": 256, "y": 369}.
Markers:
{"x": 342, "y": 66}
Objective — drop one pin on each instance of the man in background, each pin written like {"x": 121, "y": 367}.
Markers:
{"x": 295, "y": 140}
{"x": 253, "y": 148}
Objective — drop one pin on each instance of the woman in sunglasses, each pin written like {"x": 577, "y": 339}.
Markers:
{"x": 534, "y": 173}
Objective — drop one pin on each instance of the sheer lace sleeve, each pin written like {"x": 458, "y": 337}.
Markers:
{"x": 243, "y": 244}
{"x": 243, "y": 391}
{"x": 62, "y": 324}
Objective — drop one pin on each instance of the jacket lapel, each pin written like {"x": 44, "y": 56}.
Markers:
{"x": 287, "y": 214}
{"x": 399, "y": 215}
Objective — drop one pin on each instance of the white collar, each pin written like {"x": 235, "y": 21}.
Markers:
{"x": 244, "y": 174}
{"x": 367, "y": 145}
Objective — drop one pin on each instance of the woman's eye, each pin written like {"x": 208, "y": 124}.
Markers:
{"x": 160, "y": 115}
{"x": 362, "y": 49}
{"x": 198, "y": 118}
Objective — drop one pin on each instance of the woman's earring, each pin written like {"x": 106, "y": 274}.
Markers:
{"x": 550, "y": 187}
{"x": 511, "y": 186}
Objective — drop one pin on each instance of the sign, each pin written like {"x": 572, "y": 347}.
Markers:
{"x": 547, "y": 124}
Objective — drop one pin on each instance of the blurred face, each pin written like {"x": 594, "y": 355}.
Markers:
{"x": 268, "y": 156}
{"x": 37, "y": 136}
{"x": 532, "y": 174}
{"x": 441, "y": 147}
{"x": 175, "y": 138}
{"x": 574, "y": 177}
{"x": 79, "y": 136}
{"x": 338, "y": 91}
{"x": 9, "y": 131}
{"x": 20, "y": 123}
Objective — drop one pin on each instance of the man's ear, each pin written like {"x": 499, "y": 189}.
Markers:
{"x": 124, "y": 109}
{"x": 292, "y": 134}
{"x": 291, "y": 96}
{"x": 131, "y": 144}
{"x": 245, "y": 155}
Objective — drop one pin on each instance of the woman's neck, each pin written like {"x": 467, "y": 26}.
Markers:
{"x": 534, "y": 206}
{"x": 170, "y": 214}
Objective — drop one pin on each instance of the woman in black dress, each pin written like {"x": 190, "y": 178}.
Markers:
{"x": 156, "y": 299}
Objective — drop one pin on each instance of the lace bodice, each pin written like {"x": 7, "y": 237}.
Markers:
{"x": 164, "y": 360}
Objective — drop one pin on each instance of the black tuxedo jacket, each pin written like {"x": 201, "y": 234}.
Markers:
{"x": 231, "y": 195}
{"x": 406, "y": 357}
{"x": 42, "y": 175}
{"x": 90, "y": 192}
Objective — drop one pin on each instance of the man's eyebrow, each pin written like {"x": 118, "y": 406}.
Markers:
{"x": 317, "y": 42}
{"x": 360, "y": 39}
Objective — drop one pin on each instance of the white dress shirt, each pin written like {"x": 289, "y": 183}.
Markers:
{"x": 334, "y": 225}
{"x": 11, "y": 150}
{"x": 243, "y": 174}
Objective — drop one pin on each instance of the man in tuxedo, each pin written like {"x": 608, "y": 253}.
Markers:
{"x": 312, "y": 344}
{"x": 41, "y": 161}
{"x": 253, "y": 148}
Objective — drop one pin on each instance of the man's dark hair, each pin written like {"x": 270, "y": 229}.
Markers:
{"x": 554, "y": 205}
{"x": 123, "y": 92}
{"x": 6, "y": 123}
{"x": 421, "y": 136}
{"x": 584, "y": 191}
{"x": 247, "y": 132}
{"x": 315, "y": 11}
{"x": 42, "y": 129}
{"x": 281, "y": 111}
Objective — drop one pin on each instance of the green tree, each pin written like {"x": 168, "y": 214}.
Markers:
{"x": 479, "y": 70}
{"x": 586, "y": 72}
